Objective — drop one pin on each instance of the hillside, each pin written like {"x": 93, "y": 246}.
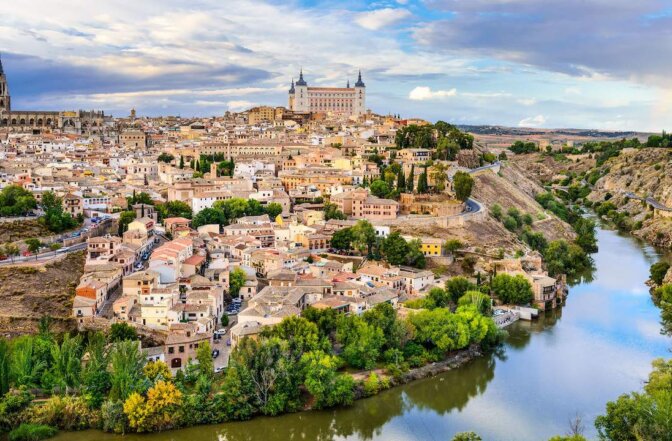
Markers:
{"x": 29, "y": 292}
{"x": 646, "y": 173}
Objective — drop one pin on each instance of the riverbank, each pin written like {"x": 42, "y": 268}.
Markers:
{"x": 571, "y": 360}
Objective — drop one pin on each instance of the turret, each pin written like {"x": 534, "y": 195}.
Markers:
{"x": 359, "y": 82}
{"x": 5, "y": 100}
{"x": 301, "y": 81}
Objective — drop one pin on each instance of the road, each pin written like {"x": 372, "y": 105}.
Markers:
{"x": 44, "y": 256}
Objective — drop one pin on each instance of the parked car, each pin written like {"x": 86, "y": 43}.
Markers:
{"x": 219, "y": 369}
{"x": 215, "y": 353}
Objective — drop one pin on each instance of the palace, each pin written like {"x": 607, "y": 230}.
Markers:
{"x": 76, "y": 122}
{"x": 350, "y": 101}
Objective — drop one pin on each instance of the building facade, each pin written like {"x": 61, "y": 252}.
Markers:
{"x": 350, "y": 101}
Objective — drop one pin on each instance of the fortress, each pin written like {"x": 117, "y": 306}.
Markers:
{"x": 350, "y": 101}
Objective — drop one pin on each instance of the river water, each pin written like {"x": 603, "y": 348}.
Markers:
{"x": 571, "y": 362}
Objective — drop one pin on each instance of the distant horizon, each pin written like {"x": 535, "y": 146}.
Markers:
{"x": 522, "y": 63}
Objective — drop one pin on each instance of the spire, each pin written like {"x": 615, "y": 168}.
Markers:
{"x": 301, "y": 81}
{"x": 1, "y": 71}
{"x": 291, "y": 89}
{"x": 348, "y": 86}
{"x": 359, "y": 82}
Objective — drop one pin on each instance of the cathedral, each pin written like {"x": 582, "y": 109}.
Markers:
{"x": 37, "y": 121}
{"x": 350, "y": 101}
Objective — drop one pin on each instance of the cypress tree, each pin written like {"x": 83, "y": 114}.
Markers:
{"x": 401, "y": 180}
{"x": 181, "y": 161}
{"x": 422, "y": 182}
{"x": 411, "y": 179}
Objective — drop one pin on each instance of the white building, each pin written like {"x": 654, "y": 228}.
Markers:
{"x": 341, "y": 100}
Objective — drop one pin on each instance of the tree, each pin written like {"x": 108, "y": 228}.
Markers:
{"x": 463, "y": 184}
{"x": 422, "y": 182}
{"x": 5, "y": 366}
{"x": 456, "y": 287}
{"x": 125, "y": 218}
{"x": 331, "y": 211}
{"x": 322, "y": 381}
{"x": 512, "y": 289}
{"x": 168, "y": 158}
{"x": 122, "y": 331}
{"x": 363, "y": 236}
{"x": 209, "y": 216}
{"x": 562, "y": 257}
{"x": 361, "y": 342}
{"x": 482, "y": 302}
{"x": 206, "y": 365}
{"x": 395, "y": 249}
{"x": 301, "y": 334}
{"x": 496, "y": 211}
{"x": 174, "y": 209}
{"x": 401, "y": 180}
{"x": 342, "y": 239}
{"x": 224, "y": 320}
{"x": 379, "y": 188}
{"x": 441, "y": 329}
{"x": 273, "y": 210}
{"x": 181, "y": 162}
{"x": 157, "y": 370}
{"x": 66, "y": 365}
{"x": 452, "y": 245}
{"x": 411, "y": 179}
{"x": 126, "y": 363}
{"x": 237, "y": 279}
{"x": 415, "y": 257}
{"x": 34, "y": 245}
{"x": 439, "y": 176}
{"x": 438, "y": 298}
{"x": 467, "y": 436}
{"x": 25, "y": 369}
{"x": 658, "y": 271}
{"x": 16, "y": 201}
{"x": 157, "y": 412}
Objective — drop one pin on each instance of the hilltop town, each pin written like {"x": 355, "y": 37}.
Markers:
{"x": 198, "y": 230}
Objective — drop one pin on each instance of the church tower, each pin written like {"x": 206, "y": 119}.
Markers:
{"x": 359, "y": 106}
{"x": 5, "y": 104}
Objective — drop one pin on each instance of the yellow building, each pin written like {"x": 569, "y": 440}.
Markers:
{"x": 430, "y": 246}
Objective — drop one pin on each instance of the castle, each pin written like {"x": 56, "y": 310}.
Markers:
{"x": 37, "y": 121}
{"x": 350, "y": 101}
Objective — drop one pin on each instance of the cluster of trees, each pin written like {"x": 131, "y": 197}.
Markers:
{"x": 662, "y": 140}
{"x": 225, "y": 212}
{"x": 166, "y": 157}
{"x": 331, "y": 211}
{"x": 513, "y": 220}
{"x": 621, "y": 219}
{"x": 447, "y": 139}
{"x": 55, "y": 219}
{"x": 16, "y": 201}
{"x": 98, "y": 381}
{"x": 203, "y": 164}
{"x": 520, "y": 147}
{"x": 394, "y": 248}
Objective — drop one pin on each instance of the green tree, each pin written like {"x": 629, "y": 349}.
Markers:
{"x": 5, "y": 366}
{"x": 363, "y": 236}
{"x": 322, "y": 381}
{"x": 273, "y": 210}
{"x": 66, "y": 366}
{"x": 438, "y": 298}
{"x": 34, "y": 245}
{"x": 122, "y": 331}
{"x": 411, "y": 179}
{"x": 237, "y": 279}
{"x": 463, "y": 185}
{"x": 125, "y": 218}
{"x": 181, "y": 162}
{"x": 415, "y": 257}
{"x": 361, "y": 342}
{"x": 401, "y": 181}
{"x": 209, "y": 216}
{"x": 25, "y": 369}
{"x": 331, "y": 211}
{"x": 126, "y": 375}
{"x": 16, "y": 201}
{"x": 206, "y": 365}
{"x": 168, "y": 158}
{"x": 174, "y": 209}
{"x": 423, "y": 187}
{"x": 658, "y": 271}
{"x": 467, "y": 436}
{"x": 395, "y": 249}
{"x": 515, "y": 290}
{"x": 95, "y": 377}
{"x": 342, "y": 239}
{"x": 379, "y": 188}
{"x": 456, "y": 287}
{"x": 441, "y": 329}
{"x": 452, "y": 245}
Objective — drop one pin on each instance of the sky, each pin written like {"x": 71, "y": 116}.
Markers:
{"x": 598, "y": 64}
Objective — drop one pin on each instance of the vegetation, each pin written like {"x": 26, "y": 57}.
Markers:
{"x": 174, "y": 209}
{"x": 463, "y": 184}
{"x": 16, "y": 201}
{"x": 331, "y": 211}
{"x": 515, "y": 290}
{"x": 441, "y": 134}
{"x": 237, "y": 279}
{"x": 227, "y": 211}
{"x": 32, "y": 432}
{"x": 658, "y": 271}
{"x": 520, "y": 147}
{"x": 168, "y": 158}
{"x": 55, "y": 218}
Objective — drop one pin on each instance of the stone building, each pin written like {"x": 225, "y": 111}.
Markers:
{"x": 81, "y": 122}
{"x": 350, "y": 101}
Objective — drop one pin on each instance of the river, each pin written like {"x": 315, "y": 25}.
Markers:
{"x": 571, "y": 362}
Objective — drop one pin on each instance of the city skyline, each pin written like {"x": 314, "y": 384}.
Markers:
{"x": 591, "y": 64}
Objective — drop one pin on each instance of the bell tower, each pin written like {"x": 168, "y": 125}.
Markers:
{"x": 5, "y": 104}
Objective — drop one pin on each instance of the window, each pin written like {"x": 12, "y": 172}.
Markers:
{"x": 171, "y": 350}
{"x": 181, "y": 349}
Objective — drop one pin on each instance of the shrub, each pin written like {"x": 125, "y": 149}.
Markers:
{"x": 66, "y": 413}
{"x": 658, "y": 271}
{"x": 32, "y": 432}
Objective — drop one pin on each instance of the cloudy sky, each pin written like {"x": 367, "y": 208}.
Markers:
{"x": 602, "y": 64}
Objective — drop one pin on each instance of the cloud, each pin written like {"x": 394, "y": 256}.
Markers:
{"x": 533, "y": 121}
{"x": 423, "y": 93}
{"x": 381, "y": 18}
{"x": 527, "y": 101}
{"x": 584, "y": 38}
{"x": 239, "y": 105}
